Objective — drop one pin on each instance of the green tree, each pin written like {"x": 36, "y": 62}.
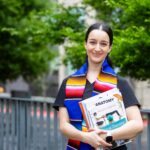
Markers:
{"x": 29, "y": 31}
{"x": 131, "y": 25}
{"x": 130, "y": 21}
{"x": 19, "y": 55}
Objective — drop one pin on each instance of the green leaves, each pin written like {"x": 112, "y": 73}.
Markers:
{"x": 29, "y": 31}
{"x": 130, "y": 52}
{"x": 131, "y": 25}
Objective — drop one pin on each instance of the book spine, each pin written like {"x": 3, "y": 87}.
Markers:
{"x": 84, "y": 114}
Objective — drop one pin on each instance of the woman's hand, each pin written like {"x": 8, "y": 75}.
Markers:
{"x": 93, "y": 137}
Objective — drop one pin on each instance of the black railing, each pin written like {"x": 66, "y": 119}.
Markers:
{"x": 32, "y": 124}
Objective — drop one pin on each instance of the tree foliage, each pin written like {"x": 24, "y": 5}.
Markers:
{"x": 29, "y": 30}
{"x": 130, "y": 20}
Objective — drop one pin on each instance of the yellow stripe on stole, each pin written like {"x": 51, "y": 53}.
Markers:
{"x": 84, "y": 129}
{"x": 77, "y": 81}
{"x": 107, "y": 78}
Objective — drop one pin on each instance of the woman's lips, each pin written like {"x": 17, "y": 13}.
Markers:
{"x": 97, "y": 54}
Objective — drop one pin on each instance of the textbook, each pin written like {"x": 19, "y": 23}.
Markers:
{"x": 105, "y": 111}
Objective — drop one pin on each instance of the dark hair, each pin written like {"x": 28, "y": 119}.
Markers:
{"x": 103, "y": 27}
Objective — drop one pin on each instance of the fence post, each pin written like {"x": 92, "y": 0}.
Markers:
{"x": 148, "y": 133}
{"x": 138, "y": 142}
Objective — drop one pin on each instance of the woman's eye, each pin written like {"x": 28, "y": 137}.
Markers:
{"x": 92, "y": 43}
{"x": 103, "y": 44}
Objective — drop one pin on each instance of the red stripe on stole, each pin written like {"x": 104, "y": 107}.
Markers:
{"x": 74, "y": 93}
{"x": 74, "y": 143}
{"x": 102, "y": 88}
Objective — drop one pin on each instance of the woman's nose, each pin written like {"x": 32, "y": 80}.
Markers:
{"x": 98, "y": 47}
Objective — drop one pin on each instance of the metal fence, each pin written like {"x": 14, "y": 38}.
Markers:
{"x": 28, "y": 124}
{"x": 32, "y": 124}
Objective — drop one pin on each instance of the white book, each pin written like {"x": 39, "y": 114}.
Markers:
{"x": 105, "y": 111}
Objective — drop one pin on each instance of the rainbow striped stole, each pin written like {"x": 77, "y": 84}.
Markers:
{"x": 75, "y": 87}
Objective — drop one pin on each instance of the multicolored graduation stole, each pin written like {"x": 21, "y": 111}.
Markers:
{"x": 75, "y": 86}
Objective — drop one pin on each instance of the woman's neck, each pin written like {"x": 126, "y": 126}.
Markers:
{"x": 93, "y": 71}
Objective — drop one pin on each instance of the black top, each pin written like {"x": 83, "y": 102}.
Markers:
{"x": 129, "y": 98}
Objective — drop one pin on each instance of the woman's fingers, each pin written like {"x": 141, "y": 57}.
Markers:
{"x": 104, "y": 143}
{"x": 95, "y": 138}
{"x": 98, "y": 131}
{"x": 101, "y": 141}
{"x": 91, "y": 129}
{"x": 101, "y": 132}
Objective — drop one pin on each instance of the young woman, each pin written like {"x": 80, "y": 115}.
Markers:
{"x": 95, "y": 76}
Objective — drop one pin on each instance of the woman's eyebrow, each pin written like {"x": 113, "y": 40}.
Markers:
{"x": 100, "y": 41}
{"x": 93, "y": 39}
{"x": 105, "y": 41}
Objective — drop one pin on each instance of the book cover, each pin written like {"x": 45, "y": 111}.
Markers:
{"x": 105, "y": 111}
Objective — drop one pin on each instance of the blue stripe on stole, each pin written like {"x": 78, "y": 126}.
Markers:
{"x": 77, "y": 124}
{"x": 82, "y": 71}
{"x": 84, "y": 146}
{"x": 74, "y": 110}
{"x": 94, "y": 93}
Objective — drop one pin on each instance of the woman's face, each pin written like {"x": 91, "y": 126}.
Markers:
{"x": 97, "y": 46}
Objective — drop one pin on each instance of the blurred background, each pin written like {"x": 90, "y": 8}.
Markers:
{"x": 42, "y": 42}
